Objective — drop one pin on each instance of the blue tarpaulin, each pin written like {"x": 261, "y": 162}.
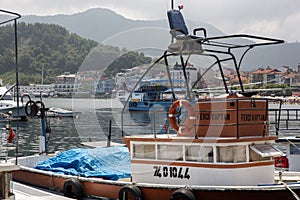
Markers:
{"x": 110, "y": 163}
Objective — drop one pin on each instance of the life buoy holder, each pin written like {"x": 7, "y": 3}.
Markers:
{"x": 130, "y": 191}
{"x": 189, "y": 123}
{"x": 183, "y": 194}
{"x": 73, "y": 189}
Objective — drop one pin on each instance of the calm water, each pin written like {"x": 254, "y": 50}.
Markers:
{"x": 67, "y": 133}
{"x": 91, "y": 125}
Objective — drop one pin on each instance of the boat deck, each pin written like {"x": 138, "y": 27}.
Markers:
{"x": 25, "y": 192}
{"x": 287, "y": 176}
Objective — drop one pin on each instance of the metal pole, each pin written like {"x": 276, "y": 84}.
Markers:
{"x": 109, "y": 134}
{"x": 17, "y": 86}
{"x": 43, "y": 124}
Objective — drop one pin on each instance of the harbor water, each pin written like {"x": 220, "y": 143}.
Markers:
{"x": 67, "y": 132}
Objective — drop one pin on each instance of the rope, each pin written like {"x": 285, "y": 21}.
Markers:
{"x": 289, "y": 189}
{"x": 4, "y": 115}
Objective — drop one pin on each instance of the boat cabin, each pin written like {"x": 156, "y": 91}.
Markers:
{"x": 169, "y": 160}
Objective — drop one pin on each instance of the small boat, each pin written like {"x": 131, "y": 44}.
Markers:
{"x": 9, "y": 106}
{"x": 60, "y": 112}
{"x": 223, "y": 149}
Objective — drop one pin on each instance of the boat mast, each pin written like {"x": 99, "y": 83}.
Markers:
{"x": 42, "y": 74}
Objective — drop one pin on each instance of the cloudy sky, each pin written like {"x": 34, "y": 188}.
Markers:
{"x": 270, "y": 18}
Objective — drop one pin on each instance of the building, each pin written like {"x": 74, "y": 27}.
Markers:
{"x": 291, "y": 77}
{"x": 37, "y": 90}
{"x": 65, "y": 84}
{"x": 177, "y": 74}
{"x": 262, "y": 77}
{"x": 104, "y": 86}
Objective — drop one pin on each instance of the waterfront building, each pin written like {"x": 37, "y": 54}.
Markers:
{"x": 266, "y": 76}
{"x": 65, "y": 84}
{"x": 37, "y": 89}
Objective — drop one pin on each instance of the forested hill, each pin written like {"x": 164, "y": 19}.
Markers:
{"x": 52, "y": 48}
{"x": 46, "y": 46}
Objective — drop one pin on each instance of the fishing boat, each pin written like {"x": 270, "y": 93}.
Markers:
{"x": 223, "y": 149}
{"x": 150, "y": 96}
{"x": 154, "y": 94}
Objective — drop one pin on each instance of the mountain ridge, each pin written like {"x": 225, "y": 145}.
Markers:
{"x": 109, "y": 27}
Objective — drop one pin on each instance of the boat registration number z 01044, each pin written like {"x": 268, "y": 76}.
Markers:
{"x": 171, "y": 172}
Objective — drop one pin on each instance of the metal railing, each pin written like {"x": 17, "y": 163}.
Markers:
{"x": 289, "y": 118}
{"x": 155, "y": 121}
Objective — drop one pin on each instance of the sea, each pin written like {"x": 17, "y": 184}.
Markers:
{"x": 98, "y": 119}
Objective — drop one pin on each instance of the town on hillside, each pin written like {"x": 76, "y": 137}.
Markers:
{"x": 96, "y": 84}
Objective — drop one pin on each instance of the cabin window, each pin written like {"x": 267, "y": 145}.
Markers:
{"x": 261, "y": 152}
{"x": 265, "y": 150}
{"x": 144, "y": 151}
{"x": 295, "y": 149}
{"x": 170, "y": 152}
{"x": 253, "y": 156}
{"x": 231, "y": 154}
{"x": 199, "y": 154}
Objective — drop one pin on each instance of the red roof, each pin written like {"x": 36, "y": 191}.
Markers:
{"x": 267, "y": 71}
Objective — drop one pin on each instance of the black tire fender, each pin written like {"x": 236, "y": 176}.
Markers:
{"x": 182, "y": 193}
{"x": 31, "y": 105}
{"x": 73, "y": 189}
{"x": 132, "y": 190}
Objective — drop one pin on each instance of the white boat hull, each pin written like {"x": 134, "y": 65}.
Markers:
{"x": 175, "y": 174}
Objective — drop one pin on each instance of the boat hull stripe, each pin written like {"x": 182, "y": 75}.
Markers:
{"x": 205, "y": 165}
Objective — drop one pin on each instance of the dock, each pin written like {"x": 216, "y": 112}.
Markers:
{"x": 96, "y": 144}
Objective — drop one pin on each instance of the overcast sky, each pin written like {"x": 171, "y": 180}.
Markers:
{"x": 270, "y": 18}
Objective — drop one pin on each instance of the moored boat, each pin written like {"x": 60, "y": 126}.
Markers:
{"x": 150, "y": 96}
{"x": 60, "y": 112}
{"x": 8, "y": 104}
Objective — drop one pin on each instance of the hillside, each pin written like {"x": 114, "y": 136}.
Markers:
{"x": 49, "y": 46}
{"x": 55, "y": 50}
{"x": 105, "y": 25}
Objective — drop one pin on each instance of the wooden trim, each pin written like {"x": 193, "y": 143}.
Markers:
{"x": 205, "y": 165}
{"x": 199, "y": 140}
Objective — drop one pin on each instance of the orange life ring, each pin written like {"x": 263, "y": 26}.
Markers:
{"x": 187, "y": 129}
